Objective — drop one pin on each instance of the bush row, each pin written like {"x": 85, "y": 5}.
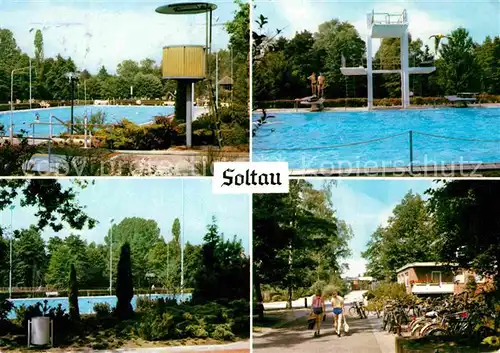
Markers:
{"x": 166, "y": 319}
{"x": 362, "y": 102}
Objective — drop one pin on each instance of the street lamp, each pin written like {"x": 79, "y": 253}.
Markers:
{"x": 182, "y": 243}
{"x": 10, "y": 251}
{"x": 111, "y": 257}
{"x": 73, "y": 77}
{"x": 11, "y": 128}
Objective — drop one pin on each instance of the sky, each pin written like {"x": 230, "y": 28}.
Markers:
{"x": 106, "y": 32}
{"x": 157, "y": 199}
{"x": 426, "y": 17}
{"x": 366, "y": 204}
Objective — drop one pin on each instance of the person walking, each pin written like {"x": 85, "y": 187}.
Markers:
{"x": 318, "y": 307}
{"x": 338, "y": 311}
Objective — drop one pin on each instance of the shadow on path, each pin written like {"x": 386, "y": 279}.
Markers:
{"x": 298, "y": 337}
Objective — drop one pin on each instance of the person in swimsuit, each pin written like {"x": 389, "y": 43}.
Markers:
{"x": 321, "y": 85}
{"x": 312, "y": 78}
{"x": 338, "y": 311}
{"x": 318, "y": 308}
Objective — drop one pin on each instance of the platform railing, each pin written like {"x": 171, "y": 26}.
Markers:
{"x": 386, "y": 18}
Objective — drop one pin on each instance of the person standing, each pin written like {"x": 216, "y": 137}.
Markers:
{"x": 338, "y": 311}
{"x": 318, "y": 307}
{"x": 321, "y": 85}
{"x": 312, "y": 78}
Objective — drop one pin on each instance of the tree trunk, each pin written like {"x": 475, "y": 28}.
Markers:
{"x": 258, "y": 297}
{"x": 289, "y": 304}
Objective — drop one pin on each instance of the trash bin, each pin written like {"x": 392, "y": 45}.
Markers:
{"x": 40, "y": 331}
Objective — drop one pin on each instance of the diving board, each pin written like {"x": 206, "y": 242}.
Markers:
{"x": 316, "y": 105}
{"x": 361, "y": 71}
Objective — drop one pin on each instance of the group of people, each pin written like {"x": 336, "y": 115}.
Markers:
{"x": 317, "y": 84}
{"x": 319, "y": 311}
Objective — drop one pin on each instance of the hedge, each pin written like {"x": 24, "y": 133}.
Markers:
{"x": 363, "y": 102}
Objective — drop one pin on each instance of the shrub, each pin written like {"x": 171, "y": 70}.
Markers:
{"x": 5, "y": 307}
{"x": 391, "y": 291}
{"x": 102, "y": 310}
{"x": 329, "y": 289}
{"x": 222, "y": 332}
{"x": 124, "y": 284}
{"x": 318, "y": 285}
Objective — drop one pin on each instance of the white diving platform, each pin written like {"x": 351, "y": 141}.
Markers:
{"x": 361, "y": 71}
{"x": 387, "y": 25}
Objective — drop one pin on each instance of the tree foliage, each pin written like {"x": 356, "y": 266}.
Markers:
{"x": 409, "y": 236}
{"x": 292, "y": 238}
{"x": 224, "y": 270}
{"x": 466, "y": 220}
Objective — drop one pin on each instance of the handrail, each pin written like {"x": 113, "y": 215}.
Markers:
{"x": 401, "y": 18}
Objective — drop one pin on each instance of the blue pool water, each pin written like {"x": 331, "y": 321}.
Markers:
{"x": 86, "y": 304}
{"x": 23, "y": 118}
{"x": 301, "y": 133}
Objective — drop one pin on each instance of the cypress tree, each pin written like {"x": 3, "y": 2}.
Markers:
{"x": 124, "y": 284}
{"x": 74, "y": 311}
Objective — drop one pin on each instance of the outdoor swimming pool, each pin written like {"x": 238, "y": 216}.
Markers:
{"x": 337, "y": 139}
{"x": 86, "y": 304}
{"x": 23, "y": 118}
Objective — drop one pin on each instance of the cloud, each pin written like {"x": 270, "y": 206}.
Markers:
{"x": 308, "y": 14}
{"x": 357, "y": 267}
{"x": 95, "y": 37}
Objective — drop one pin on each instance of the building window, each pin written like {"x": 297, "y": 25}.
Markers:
{"x": 436, "y": 276}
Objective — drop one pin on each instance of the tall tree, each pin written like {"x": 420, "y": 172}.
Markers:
{"x": 408, "y": 237}
{"x": 466, "y": 220}
{"x": 30, "y": 260}
{"x": 141, "y": 235}
{"x": 458, "y": 66}
{"x": 289, "y": 231}
{"x": 74, "y": 311}
{"x": 124, "y": 284}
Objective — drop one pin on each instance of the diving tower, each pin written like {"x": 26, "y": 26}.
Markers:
{"x": 387, "y": 25}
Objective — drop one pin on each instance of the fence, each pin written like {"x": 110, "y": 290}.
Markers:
{"x": 41, "y": 292}
{"x": 411, "y": 134}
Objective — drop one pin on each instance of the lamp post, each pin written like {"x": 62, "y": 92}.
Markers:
{"x": 182, "y": 242}
{"x": 73, "y": 77}
{"x": 10, "y": 251}
{"x": 217, "y": 79}
{"x": 11, "y": 127}
{"x": 111, "y": 257}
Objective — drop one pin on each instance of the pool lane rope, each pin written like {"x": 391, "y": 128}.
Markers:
{"x": 374, "y": 140}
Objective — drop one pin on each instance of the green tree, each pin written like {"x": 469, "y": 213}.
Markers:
{"x": 141, "y": 235}
{"x": 408, "y": 237}
{"x": 458, "y": 68}
{"x": 147, "y": 86}
{"x": 467, "y": 225}
{"x": 289, "y": 232}
{"x": 124, "y": 284}
{"x": 74, "y": 311}
{"x": 224, "y": 271}
{"x": 488, "y": 57}
{"x": 30, "y": 260}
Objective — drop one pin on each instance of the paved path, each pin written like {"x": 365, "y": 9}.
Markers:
{"x": 365, "y": 336}
{"x": 238, "y": 347}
